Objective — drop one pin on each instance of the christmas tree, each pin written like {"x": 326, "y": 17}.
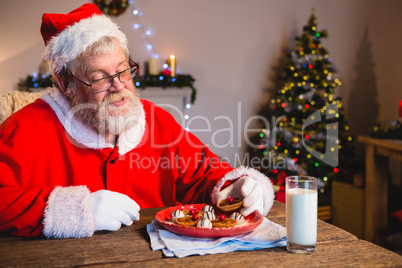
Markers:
{"x": 308, "y": 133}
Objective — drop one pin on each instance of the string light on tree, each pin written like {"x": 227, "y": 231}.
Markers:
{"x": 308, "y": 94}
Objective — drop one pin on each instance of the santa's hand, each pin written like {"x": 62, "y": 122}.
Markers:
{"x": 111, "y": 209}
{"x": 246, "y": 188}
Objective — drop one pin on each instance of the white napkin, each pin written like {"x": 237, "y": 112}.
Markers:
{"x": 266, "y": 235}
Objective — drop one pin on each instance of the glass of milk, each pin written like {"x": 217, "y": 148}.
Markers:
{"x": 301, "y": 214}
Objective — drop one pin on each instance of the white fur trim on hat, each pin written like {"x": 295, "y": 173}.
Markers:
{"x": 75, "y": 39}
{"x": 68, "y": 214}
{"x": 264, "y": 181}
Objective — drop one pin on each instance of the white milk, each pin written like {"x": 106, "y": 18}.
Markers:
{"x": 301, "y": 216}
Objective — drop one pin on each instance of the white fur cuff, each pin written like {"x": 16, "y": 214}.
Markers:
{"x": 67, "y": 214}
{"x": 264, "y": 181}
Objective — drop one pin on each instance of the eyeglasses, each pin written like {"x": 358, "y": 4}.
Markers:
{"x": 104, "y": 84}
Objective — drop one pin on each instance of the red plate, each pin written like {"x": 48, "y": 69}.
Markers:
{"x": 163, "y": 217}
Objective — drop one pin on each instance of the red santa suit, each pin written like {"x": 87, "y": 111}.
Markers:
{"x": 50, "y": 163}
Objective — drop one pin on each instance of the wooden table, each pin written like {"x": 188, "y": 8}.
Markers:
{"x": 129, "y": 247}
{"x": 378, "y": 153}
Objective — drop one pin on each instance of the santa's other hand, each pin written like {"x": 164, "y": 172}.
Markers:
{"x": 111, "y": 209}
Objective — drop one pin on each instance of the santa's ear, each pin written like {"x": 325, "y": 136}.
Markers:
{"x": 62, "y": 82}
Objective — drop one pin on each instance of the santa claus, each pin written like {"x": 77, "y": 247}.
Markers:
{"x": 90, "y": 153}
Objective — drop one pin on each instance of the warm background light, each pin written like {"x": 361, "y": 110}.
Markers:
{"x": 237, "y": 52}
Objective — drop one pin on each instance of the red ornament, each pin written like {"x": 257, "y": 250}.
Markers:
{"x": 222, "y": 217}
{"x": 400, "y": 108}
{"x": 166, "y": 72}
{"x": 281, "y": 177}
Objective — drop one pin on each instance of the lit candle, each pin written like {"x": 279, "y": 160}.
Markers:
{"x": 172, "y": 65}
{"x": 153, "y": 66}
{"x": 400, "y": 108}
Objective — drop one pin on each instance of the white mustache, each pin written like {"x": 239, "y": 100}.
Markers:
{"x": 116, "y": 97}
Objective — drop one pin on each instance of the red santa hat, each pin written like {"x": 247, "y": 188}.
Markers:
{"x": 66, "y": 36}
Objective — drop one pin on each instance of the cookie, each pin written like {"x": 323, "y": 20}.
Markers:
{"x": 176, "y": 214}
{"x": 237, "y": 216}
{"x": 209, "y": 215}
{"x": 186, "y": 221}
{"x": 207, "y": 208}
{"x": 224, "y": 223}
{"x": 204, "y": 223}
{"x": 225, "y": 206}
{"x": 187, "y": 213}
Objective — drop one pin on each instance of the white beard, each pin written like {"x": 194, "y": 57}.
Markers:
{"x": 120, "y": 120}
{"x": 105, "y": 118}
